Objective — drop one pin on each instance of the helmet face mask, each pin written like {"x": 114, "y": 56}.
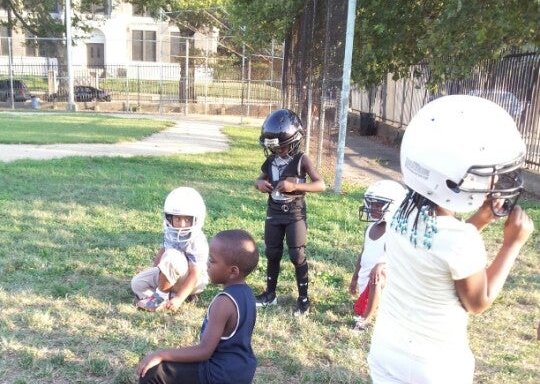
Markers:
{"x": 505, "y": 184}
{"x": 182, "y": 231}
{"x": 185, "y": 202}
{"x": 374, "y": 209}
{"x": 381, "y": 200}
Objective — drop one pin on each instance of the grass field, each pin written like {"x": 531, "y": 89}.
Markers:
{"x": 74, "y": 231}
{"x": 30, "y": 128}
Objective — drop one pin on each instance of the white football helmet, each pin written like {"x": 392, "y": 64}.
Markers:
{"x": 458, "y": 150}
{"x": 381, "y": 201}
{"x": 183, "y": 201}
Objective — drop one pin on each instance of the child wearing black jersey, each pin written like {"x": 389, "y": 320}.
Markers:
{"x": 283, "y": 177}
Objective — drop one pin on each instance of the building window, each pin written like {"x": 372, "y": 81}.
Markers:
{"x": 4, "y": 41}
{"x": 176, "y": 48}
{"x": 143, "y": 46}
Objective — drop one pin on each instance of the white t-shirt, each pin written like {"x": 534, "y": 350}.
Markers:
{"x": 372, "y": 254}
{"x": 195, "y": 249}
{"x": 420, "y": 316}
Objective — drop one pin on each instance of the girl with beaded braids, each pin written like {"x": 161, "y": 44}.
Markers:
{"x": 459, "y": 154}
{"x": 284, "y": 177}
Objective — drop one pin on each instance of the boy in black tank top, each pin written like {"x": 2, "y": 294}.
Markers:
{"x": 224, "y": 354}
{"x": 283, "y": 177}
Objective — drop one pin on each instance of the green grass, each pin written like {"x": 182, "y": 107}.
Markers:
{"x": 36, "y": 128}
{"x": 216, "y": 89}
{"x": 74, "y": 231}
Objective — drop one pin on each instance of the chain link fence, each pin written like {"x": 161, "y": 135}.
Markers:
{"x": 173, "y": 74}
{"x": 313, "y": 70}
{"x": 312, "y": 76}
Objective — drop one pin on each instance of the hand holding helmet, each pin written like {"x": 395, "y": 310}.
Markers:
{"x": 517, "y": 228}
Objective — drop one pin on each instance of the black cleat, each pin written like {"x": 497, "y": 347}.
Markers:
{"x": 302, "y": 306}
{"x": 265, "y": 299}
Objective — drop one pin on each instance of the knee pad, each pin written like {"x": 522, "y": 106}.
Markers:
{"x": 297, "y": 256}
{"x": 274, "y": 254}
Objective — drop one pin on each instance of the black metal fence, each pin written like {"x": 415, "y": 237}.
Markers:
{"x": 225, "y": 80}
{"x": 512, "y": 82}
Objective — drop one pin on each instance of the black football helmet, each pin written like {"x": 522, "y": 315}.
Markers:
{"x": 281, "y": 127}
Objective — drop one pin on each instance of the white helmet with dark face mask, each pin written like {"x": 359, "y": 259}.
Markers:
{"x": 381, "y": 201}
{"x": 183, "y": 201}
{"x": 458, "y": 150}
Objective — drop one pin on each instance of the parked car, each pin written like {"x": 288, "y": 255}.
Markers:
{"x": 505, "y": 99}
{"x": 84, "y": 93}
{"x": 20, "y": 90}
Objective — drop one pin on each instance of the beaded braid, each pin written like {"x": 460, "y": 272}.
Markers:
{"x": 425, "y": 212}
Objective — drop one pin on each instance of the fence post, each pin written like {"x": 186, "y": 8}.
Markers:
{"x": 206, "y": 79}
{"x": 271, "y": 76}
{"x": 249, "y": 87}
{"x": 10, "y": 54}
{"x": 308, "y": 119}
{"x": 160, "y": 108}
{"x": 71, "y": 106}
{"x": 128, "y": 108}
{"x": 138, "y": 86}
{"x": 242, "y": 84}
{"x": 345, "y": 89}
{"x": 186, "y": 79}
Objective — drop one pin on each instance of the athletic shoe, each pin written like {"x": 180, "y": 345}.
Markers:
{"x": 302, "y": 306}
{"x": 361, "y": 324}
{"x": 153, "y": 303}
{"x": 265, "y": 299}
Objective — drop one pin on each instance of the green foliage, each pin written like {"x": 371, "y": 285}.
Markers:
{"x": 188, "y": 15}
{"x": 452, "y": 36}
{"x": 258, "y": 22}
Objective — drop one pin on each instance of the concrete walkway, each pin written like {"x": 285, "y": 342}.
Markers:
{"x": 187, "y": 136}
{"x": 366, "y": 158}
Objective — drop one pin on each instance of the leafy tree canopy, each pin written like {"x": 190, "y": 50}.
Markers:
{"x": 452, "y": 35}
{"x": 259, "y": 22}
{"x": 41, "y": 17}
{"x": 188, "y": 15}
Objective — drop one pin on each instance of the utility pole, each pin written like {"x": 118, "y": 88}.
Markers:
{"x": 72, "y": 107}
{"x": 345, "y": 89}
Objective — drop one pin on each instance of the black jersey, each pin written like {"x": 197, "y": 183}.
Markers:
{"x": 291, "y": 205}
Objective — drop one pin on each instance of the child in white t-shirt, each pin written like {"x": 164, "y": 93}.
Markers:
{"x": 459, "y": 154}
{"x": 179, "y": 270}
{"x": 380, "y": 202}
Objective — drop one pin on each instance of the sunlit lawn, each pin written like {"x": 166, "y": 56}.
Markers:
{"x": 54, "y": 128}
{"x": 74, "y": 231}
